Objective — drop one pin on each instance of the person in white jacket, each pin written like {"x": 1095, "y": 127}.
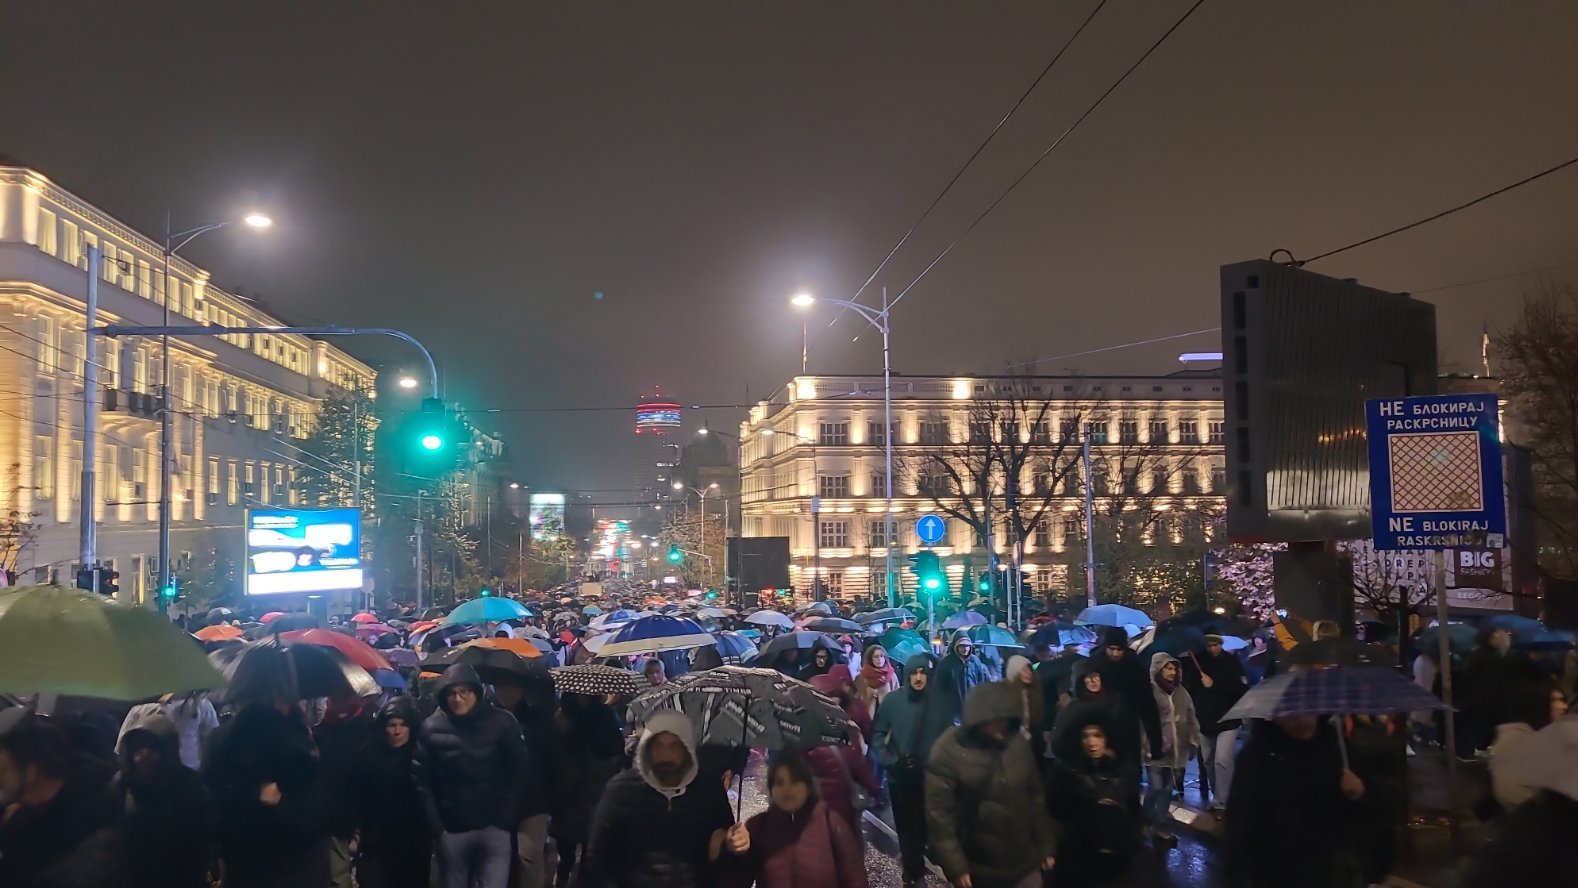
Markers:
{"x": 194, "y": 719}
{"x": 1180, "y": 732}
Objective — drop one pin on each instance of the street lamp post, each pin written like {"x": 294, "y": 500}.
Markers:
{"x": 701, "y": 494}
{"x": 173, "y": 242}
{"x": 877, "y": 318}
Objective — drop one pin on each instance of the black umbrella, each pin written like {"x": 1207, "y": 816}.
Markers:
{"x": 597, "y": 680}
{"x": 264, "y": 669}
{"x": 741, "y": 706}
{"x": 833, "y": 624}
{"x": 491, "y": 663}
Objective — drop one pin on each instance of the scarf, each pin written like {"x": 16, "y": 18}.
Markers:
{"x": 875, "y": 677}
{"x": 1166, "y": 686}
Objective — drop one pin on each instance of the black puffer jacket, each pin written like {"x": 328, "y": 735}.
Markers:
{"x": 644, "y": 837}
{"x": 71, "y": 841}
{"x": 1227, "y": 686}
{"x": 469, "y": 768}
{"x": 985, "y": 807}
{"x": 1131, "y": 679}
{"x": 391, "y": 811}
{"x": 167, "y": 820}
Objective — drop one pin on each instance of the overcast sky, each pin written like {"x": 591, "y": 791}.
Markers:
{"x": 478, "y": 176}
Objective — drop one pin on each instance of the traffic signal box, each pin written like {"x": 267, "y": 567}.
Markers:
{"x": 929, "y": 576}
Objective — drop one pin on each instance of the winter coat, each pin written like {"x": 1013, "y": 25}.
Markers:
{"x": 873, "y": 683}
{"x": 1107, "y": 709}
{"x": 952, "y": 681}
{"x": 1032, "y": 704}
{"x": 72, "y": 841}
{"x": 1228, "y": 684}
{"x": 542, "y": 780}
{"x": 1094, "y": 803}
{"x": 391, "y": 812}
{"x": 1509, "y": 792}
{"x": 1180, "y": 727}
{"x": 812, "y": 848}
{"x": 194, "y": 719}
{"x": 1533, "y": 847}
{"x": 646, "y": 835}
{"x": 341, "y": 744}
{"x": 283, "y": 845}
{"x": 1288, "y": 823}
{"x": 168, "y": 821}
{"x": 469, "y": 768}
{"x": 833, "y": 780}
{"x": 985, "y": 807}
{"x": 1487, "y": 674}
{"x": 903, "y": 729}
{"x": 1131, "y": 681}
{"x": 594, "y": 751}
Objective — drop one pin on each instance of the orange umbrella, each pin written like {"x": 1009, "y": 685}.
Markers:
{"x": 364, "y": 617}
{"x": 422, "y": 626}
{"x": 518, "y": 646}
{"x": 355, "y": 650}
{"x": 221, "y": 632}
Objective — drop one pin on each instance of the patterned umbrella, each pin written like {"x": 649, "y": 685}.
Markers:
{"x": 1058, "y": 636}
{"x": 741, "y": 706}
{"x": 656, "y": 633}
{"x": 1344, "y": 690}
{"x": 963, "y": 619}
{"x": 597, "y": 680}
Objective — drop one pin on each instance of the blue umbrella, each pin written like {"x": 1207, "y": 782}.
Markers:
{"x": 616, "y": 618}
{"x": 1459, "y": 635}
{"x": 487, "y": 610}
{"x": 1521, "y": 628}
{"x": 656, "y": 633}
{"x": 1113, "y": 615}
{"x": 1343, "y": 690}
{"x": 991, "y": 636}
{"x": 1054, "y": 635}
{"x": 736, "y": 646}
{"x": 963, "y": 619}
{"x": 591, "y": 610}
{"x": 886, "y": 615}
{"x": 1547, "y": 640}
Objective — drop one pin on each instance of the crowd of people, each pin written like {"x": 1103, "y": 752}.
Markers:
{"x": 1057, "y": 766}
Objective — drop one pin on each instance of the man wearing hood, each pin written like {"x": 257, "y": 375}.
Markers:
{"x": 468, "y": 767}
{"x": 985, "y": 806}
{"x": 396, "y": 845}
{"x": 958, "y": 673}
{"x": 1094, "y": 701}
{"x": 165, "y": 813}
{"x": 657, "y": 826}
{"x": 902, "y": 743}
{"x": 1124, "y": 674}
{"x": 1180, "y": 732}
{"x": 1022, "y": 677}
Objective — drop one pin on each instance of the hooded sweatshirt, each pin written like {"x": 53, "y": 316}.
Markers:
{"x": 1106, "y": 708}
{"x": 1127, "y": 677}
{"x": 469, "y": 768}
{"x": 1175, "y": 710}
{"x": 956, "y": 676}
{"x": 167, "y": 820}
{"x": 646, "y": 834}
{"x": 384, "y": 787}
{"x": 902, "y": 729}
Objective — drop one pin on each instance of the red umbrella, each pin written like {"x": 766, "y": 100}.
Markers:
{"x": 375, "y": 629}
{"x": 355, "y": 650}
{"x": 364, "y": 617}
{"x": 271, "y": 616}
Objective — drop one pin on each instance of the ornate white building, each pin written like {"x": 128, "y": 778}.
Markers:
{"x": 821, "y": 438}
{"x": 241, "y": 403}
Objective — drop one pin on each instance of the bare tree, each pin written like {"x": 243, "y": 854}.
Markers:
{"x": 18, "y": 529}
{"x": 1540, "y": 379}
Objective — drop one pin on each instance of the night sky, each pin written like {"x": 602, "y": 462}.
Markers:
{"x": 476, "y": 172}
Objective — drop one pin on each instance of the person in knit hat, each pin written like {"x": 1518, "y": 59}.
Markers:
{"x": 1124, "y": 674}
{"x": 1020, "y": 675}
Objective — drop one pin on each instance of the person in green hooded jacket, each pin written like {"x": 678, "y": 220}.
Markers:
{"x": 902, "y": 737}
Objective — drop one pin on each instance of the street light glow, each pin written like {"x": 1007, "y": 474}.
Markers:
{"x": 703, "y": 430}
{"x": 432, "y": 442}
{"x": 767, "y": 432}
{"x": 678, "y": 486}
{"x": 802, "y": 300}
{"x": 712, "y": 486}
{"x": 258, "y": 220}
{"x": 515, "y": 485}
{"x": 407, "y": 382}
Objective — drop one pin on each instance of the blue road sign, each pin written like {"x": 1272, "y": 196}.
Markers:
{"x": 1435, "y": 472}
{"x": 930, "y": 529}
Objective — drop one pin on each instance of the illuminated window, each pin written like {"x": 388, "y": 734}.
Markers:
{"x": 48, "y": 231}
{"x": 833, "y": 535}
{"x": 832, "y": 486}
{"x": 832, "y": 434}
{"x": 877, "y": 533}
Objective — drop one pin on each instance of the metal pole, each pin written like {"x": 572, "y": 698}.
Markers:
{"x": 816, "y": 528}
{"x": 420, "y": 572}
{"x": 165, "y": 424}
{"x": 520, "y": 562}
{"x": 702, "y": 536}
{"x": 86, "y": 536}
{"x": 887, "y": 437}
{"x": 1445, "y": 670}
{"x": 1090, "y": 525}
{"x": 356, "y": 436}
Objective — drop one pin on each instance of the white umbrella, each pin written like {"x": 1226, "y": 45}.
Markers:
{"x": 770, "y": 618}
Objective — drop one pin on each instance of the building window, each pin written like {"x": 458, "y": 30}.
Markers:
{"x": 1068, "y": 430}
{"x": 833, "y": 582}
{"x": 874, "y": 434}
{"x": 832, "y": 486}
{"x": 1189, "y": 432}
{"x": 934, "y": 433}
{"x": 1043, "y": 532}
{"x": 1218, "y": 478}
{"x": 48, "y": 344}
{"x": 1128, "y": 431}
{"x": 832, "y": 434}
{"x": 1158, "y": 431}
{"x": 877, "y": 533}
{"x": 1159, "y": 480}
{"x": 110, "y": 477}
{"x": 1217, "y": 431}
{"x": 933, "y": 480}
{"x": 139, "y": 476}
{"x": 1070, "y": 532}
{"x": 1191, "y": 481}
{"x": 1041, "y": 432}
{"x": 43, "y": 467}
{"x": 833, "y": 535}
{"x": 233, "y": 484}
{"x": 213, "y": 482}
{"x": 879, "y": 484}
{"x": 980, "y": 431}
{"x": 47, "y": 231}
{"x": 1098, "y": 431}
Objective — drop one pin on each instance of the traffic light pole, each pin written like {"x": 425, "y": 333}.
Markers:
{"x": 87, "y": 531}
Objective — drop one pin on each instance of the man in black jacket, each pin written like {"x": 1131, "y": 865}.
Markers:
{"x": 165, "y": 813}
{"x": 531, "y": 701}
{"x": 343, "y": 736}
{"x": 58, "y": 827}
{"x": 1122, "y": 672}
{"x": 657, "y": 826}
{"x": 1215, "y": 683}
{"x": 468, "y": 767}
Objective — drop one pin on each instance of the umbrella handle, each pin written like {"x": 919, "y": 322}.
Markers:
{"x": 745, "y": 732}
{"x": 1342, "y": 741}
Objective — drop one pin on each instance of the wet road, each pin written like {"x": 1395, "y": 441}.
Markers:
{"x": 1190, "y": 865}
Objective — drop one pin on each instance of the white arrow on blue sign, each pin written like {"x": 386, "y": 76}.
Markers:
{"x": 930, "y": 529}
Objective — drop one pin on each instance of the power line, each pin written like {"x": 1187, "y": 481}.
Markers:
{"x": 1499, "y": 277}
{"x": 1447, "y": 212}
{"x": 973, "y": 155}
{"x": 1049, "y": 149}
{"x": 1108, "y": 348}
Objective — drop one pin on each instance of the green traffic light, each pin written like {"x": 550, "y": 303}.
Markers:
{"x": 674, "y": 555}
{"x": 432, "y": 442}
{"x": 932, "y": 583}
{"x": 486, "y": 592}
{"x": 167, "y": 592}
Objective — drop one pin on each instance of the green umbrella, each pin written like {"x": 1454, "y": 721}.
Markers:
{"x": 902, "y": 644}
{"x": 63, "y": 641}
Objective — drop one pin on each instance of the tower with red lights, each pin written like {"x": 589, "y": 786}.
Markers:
{"x": 657, "y": 445}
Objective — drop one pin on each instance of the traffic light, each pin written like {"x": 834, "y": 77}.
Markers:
{"x": 486, "y": 592}
{"x": 983, "y": 584}
{"x": 170, "y": 593}
{"x": 712, "y": 594}
{"x": 927, "y": 568}
{"x": 85, "y": 580}
{"x": 434, "y": 439}
{"x": 106, "y": 584}
{"x": 109, "y": 582}
{"x": 675, "y": 556}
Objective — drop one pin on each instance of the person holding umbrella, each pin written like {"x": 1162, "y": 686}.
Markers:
{"x": 1124, "y": 674}
{"x": 1215, "y": 683}
{"x": 59, "y": 825}
{"x": 396, "y": 846}
{"x": 266, "y": 780}
{"x": 798, "y": 842}
{"x": 468, "y": 768}
{"x": 656, "y": 825}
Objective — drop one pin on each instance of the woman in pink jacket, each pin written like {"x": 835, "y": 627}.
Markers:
{"x": 798, "y": 842}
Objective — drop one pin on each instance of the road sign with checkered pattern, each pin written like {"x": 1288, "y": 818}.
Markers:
{"x": 1435, "y": 472}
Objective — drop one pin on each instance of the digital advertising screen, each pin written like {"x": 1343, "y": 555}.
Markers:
{"x": 547, "y": 516}
{"x": 303, "y": 550}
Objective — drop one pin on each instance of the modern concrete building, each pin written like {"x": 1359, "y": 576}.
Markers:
{"x": 241, "y": 403}
{"x": 817, "y": 443}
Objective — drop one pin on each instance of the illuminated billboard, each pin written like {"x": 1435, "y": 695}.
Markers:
{"x": 547, "y": 516}
{"x": 657, "y": 416}
{"x": 303, "y": 550}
